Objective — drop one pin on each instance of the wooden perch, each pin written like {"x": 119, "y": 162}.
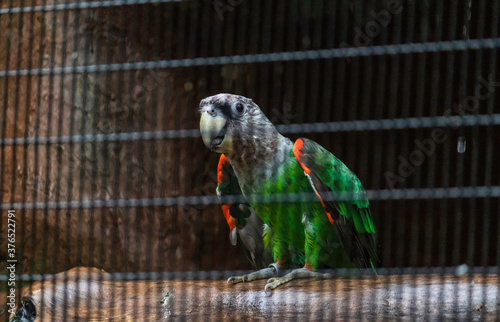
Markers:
{"x": 90, "y": 295}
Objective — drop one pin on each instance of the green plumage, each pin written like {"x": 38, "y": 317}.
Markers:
{"x": 290, "y": 236}
{"x": 344, "y": 198}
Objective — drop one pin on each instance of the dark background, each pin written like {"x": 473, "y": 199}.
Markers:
{"x": 412, "y": 231}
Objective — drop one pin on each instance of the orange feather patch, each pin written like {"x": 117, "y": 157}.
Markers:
{"x": 220, "y": 177}
{"x": 296, "y": 151}
{"x": 222, "y": 162}
{"x": 229, "y": 219}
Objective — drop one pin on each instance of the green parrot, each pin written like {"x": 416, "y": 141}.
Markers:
{"x": 332, "y": 229}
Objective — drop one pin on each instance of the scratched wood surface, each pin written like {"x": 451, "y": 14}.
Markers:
{"x": 394, "y": 297}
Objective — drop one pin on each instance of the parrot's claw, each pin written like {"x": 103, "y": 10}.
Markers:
{"x": 274, "y": 282}
{"x": 272, "y": 270}
{"x": 235, "y": 279}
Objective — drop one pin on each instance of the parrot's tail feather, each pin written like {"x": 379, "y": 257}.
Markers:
{"x": 373, "y": 268}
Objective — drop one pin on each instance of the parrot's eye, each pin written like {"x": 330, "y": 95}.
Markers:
{"x": 240, "y": 108}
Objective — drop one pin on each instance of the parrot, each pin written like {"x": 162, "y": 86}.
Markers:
{"x": 331, "y": 229}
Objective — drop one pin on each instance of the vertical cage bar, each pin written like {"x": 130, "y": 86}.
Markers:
{"x": 72, "y": 166}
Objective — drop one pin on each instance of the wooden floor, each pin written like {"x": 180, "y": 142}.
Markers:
{"x": 393, "y": 297}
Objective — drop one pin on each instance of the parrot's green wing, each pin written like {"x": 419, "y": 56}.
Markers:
{"x": 343, "y": 199}
{"x": 244, "y": 224}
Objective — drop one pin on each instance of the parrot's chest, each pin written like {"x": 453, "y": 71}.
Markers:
{"x": 273, "y": 181}
{"x": 278, "y": 198}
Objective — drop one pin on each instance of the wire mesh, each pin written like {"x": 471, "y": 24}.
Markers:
{"x": 108, "y": 194}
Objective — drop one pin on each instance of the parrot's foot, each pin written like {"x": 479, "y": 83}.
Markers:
{"x": 303, "y": 272}
{"x": 272, "y": 270}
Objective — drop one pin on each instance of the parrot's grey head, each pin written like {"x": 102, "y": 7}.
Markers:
{"x": 229, "y": 122}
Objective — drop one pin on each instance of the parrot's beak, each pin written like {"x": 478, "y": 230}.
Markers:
{"x": 213, "y": 132}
